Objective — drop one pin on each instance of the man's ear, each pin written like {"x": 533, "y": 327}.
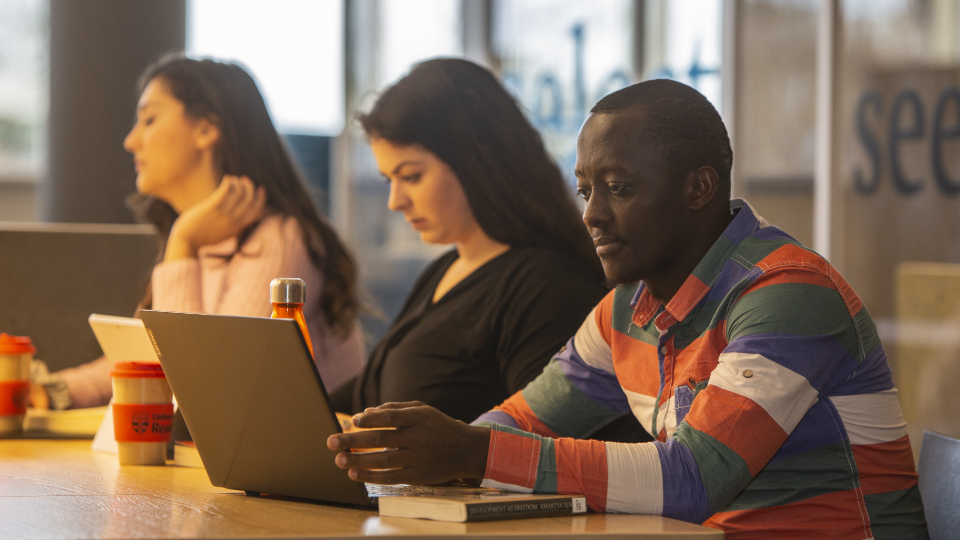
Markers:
{"x": 206, "y": 134}
{"x": 702, "y": 187}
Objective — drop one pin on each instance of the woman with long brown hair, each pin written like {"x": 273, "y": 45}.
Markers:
{"x": 467, "y": 169}
{"x": 232, "y": 213}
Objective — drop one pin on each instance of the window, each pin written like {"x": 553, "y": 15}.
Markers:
{"x": 23, "y": 105}
{"x": 293, "y": 47}
{"x": 559, "y": 57}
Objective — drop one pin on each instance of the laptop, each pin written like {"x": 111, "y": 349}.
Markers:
{"x": 254, "y": 403}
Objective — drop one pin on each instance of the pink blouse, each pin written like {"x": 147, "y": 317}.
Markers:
{"x": 218, "y": 283}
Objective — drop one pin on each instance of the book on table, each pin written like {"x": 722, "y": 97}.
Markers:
{"x": 80, "y": 423}
{"x": 473, "y": 504}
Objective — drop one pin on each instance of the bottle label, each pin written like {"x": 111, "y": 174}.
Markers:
{"x": 137, "y": 422}
{"x": 13, "y": 397}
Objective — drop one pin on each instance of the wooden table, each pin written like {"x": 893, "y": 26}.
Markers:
{"x": 61, "y": 489}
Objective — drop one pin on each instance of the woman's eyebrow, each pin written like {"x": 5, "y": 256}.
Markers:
{"x": 396, "y": 170}
{"x": 145, "y": 105}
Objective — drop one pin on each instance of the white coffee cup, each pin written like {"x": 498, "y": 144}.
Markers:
{"x": 142, "y": 412}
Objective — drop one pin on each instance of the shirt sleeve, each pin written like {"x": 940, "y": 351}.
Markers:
{"x": 89, "y": 384}
{"x": 534, "y": 442}
{"x": 176, "y": 286}
{"x": 275, "y": 249}
{"x": 788, "y": 334}
{"x": 768, "y": 376}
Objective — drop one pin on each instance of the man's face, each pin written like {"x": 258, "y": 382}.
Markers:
{"x": 634, "y": 209}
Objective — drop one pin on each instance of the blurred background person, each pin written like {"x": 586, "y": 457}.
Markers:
{"x": 466, "y": 168}
{"x": 231, "y": 213}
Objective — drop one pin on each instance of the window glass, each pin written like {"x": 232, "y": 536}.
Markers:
{"x": 896, "y": 193}
{"x": 413, "y": 30}
{"x": 293, "y": 47}
{"x": 23, "y": 87}
{"x": 24, "y": 100}
{"x": 559, "y": 57}
{"x": 775, "y": 117}
{"x": 692, "y": 45}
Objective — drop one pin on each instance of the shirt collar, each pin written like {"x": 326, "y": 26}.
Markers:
{"x": 698, "y": 283}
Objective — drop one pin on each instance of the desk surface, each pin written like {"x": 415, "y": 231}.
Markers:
{"x": 63, "y": 490}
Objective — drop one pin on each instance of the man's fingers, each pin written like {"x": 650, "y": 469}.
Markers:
{"x": 383, "y": 459}
{"x": 377, "y": 438}
{"x": 395, "y": 415}
{"x": 394, "y": 476}
{"x": 398, "y": 405}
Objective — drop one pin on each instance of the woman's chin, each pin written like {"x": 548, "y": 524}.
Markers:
{"x": 144, "y": 186}
{"x": 432, "y": 238}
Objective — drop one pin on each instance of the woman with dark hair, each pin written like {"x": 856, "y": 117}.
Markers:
{"x": 465, "y": 167}
{"x": 232, "y": 213}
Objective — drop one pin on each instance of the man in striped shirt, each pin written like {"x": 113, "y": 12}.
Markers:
{"x": 747, "y": 356}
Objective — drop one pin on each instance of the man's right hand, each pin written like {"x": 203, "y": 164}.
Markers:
{"x": 426, "y": 446}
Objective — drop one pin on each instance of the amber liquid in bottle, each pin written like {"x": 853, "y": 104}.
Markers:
{"x": 295, "y": 312}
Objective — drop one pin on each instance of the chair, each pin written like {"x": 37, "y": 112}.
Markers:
{"x": 939, "y": 472}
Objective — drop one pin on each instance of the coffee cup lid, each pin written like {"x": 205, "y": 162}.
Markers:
{"x": 16, "y": 344}
{"x": 137, "y": 370}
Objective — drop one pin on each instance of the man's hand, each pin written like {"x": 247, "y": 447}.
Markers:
{"x": 232, "y": 207}
{"x": 426, "y": 446}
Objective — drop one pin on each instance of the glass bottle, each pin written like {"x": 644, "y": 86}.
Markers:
{"x": 288, "y": 296}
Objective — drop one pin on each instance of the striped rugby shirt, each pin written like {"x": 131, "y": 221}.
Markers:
{"x": 765, "y": 383}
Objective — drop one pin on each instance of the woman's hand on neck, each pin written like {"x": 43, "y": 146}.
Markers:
{"x": 212, "y": 218}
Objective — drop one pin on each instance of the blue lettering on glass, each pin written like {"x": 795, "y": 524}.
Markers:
{"x": 696, "y": 71}
{"x": 874, "y": 101}
{"x": 947, "y": 184}
{"x": 547, "y": 99}
{"x": 899, "y": 133}
{"x": 907, "y": 123}
{"x": 548, "y": 91}
{"x": 579, "y": 81}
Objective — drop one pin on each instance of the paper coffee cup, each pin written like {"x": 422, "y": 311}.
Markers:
{"x": 142, "y": 412}
{"x": 16, "y": 352}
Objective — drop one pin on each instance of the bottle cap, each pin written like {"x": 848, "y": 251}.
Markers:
{"x": 16, "y": 345}
{"x": 288, "y": 291}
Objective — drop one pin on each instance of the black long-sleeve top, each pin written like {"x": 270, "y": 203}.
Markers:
{"x": 485, "y": 339}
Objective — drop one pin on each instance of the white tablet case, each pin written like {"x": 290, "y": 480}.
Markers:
{"x": 123, "y": 339}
